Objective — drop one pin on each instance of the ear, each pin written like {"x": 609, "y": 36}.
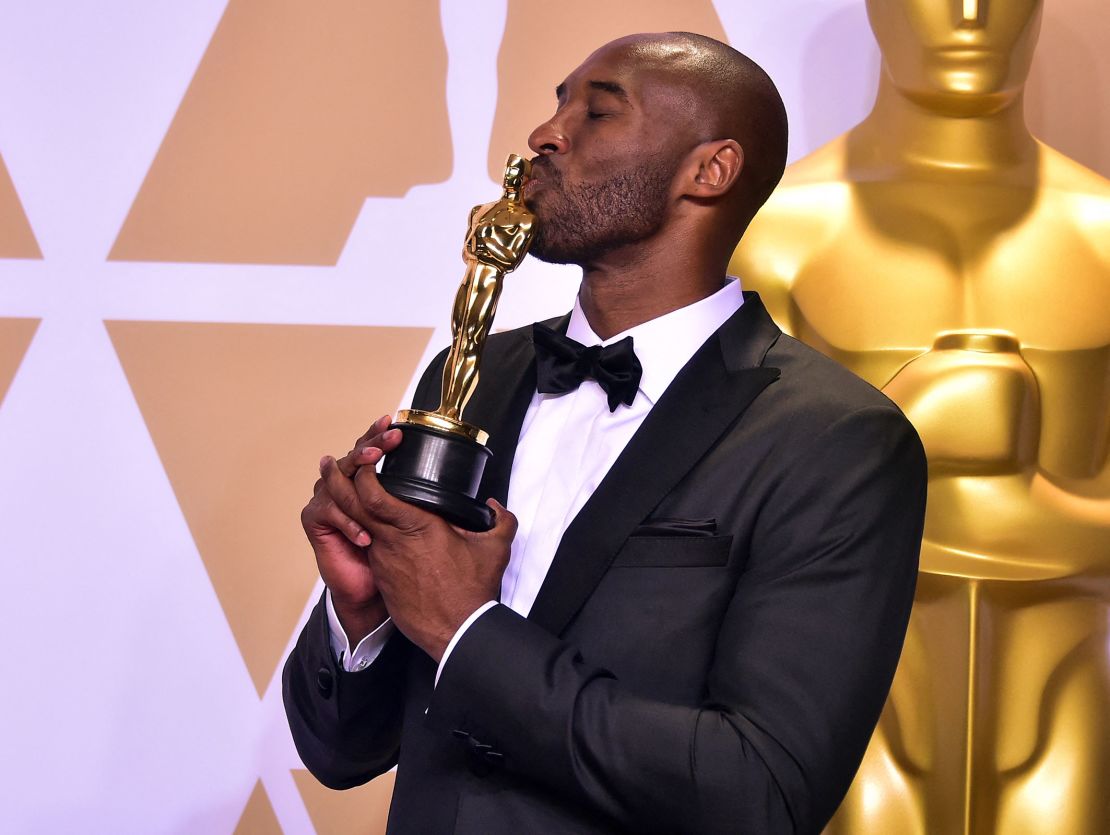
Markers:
{"x": 715, "y": 167}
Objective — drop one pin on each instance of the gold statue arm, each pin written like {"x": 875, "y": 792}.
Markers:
{"x": 975, "y": 403}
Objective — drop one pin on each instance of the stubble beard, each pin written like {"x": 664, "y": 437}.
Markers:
{"x": 579, "y": 224}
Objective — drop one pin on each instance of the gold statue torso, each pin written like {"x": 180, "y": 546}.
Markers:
{"x": 871, "y": 273}
{"x": 964, "y": 268}
{"x": 917, "y": 258}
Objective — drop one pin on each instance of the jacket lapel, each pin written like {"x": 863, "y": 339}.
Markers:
{"x": 708, "y": 395}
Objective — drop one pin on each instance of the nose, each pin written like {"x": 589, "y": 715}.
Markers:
{"x": 973, "y": 14}
{"x": 548, "y": 138}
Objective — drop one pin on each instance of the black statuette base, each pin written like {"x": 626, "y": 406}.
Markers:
{"x": 440, "y": 472}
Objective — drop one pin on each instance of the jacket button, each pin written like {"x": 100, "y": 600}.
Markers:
{"x": 483, "y": 758}
{"x": 324, "y": 682}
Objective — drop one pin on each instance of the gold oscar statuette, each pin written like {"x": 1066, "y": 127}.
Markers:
{"x": 440, "y": 462}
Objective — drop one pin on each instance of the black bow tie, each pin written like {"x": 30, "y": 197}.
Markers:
{"x": 562, "y": 364}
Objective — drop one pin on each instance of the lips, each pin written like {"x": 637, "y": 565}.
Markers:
{"x": 964, "y": 53}
{"x": 543, "y": 176}
{"x": 530, "y": 186}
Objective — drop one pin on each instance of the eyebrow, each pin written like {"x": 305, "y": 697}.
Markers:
{"x": 605, "y": 86}
{"x": 610, "y": 87}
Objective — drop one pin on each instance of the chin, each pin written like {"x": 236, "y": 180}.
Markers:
{"x": 553, "y": 255}
{"x": 963, "y": 96}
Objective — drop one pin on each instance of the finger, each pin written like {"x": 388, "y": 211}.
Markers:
{"x": 382, "y": 507}
{"x": 359, "y": 457}
{"x": 376, "y": 428}
{"x": 369, "y": 453}
{"x": 323, "y": 514}
{"x": 342, "y": 491}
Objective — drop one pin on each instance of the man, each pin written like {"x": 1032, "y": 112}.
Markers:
{"x": 703, "y": 604}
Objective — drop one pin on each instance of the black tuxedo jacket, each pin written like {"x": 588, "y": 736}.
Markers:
{"x": 713, "y": 644}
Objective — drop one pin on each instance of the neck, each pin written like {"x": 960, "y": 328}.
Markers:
{"x": 907, "y": 140}
{"x": 629, "y": 287}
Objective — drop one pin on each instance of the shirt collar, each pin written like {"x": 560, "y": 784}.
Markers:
{"x": 666, "y": 343}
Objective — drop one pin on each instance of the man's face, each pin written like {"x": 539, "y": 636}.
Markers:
{"x": 606, "y": 160}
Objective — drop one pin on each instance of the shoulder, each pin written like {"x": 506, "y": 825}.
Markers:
{"x": 1079, "y": 195}
{"x": 798, "y": 219}
{"x": 816, "y": 396}
{"x": 821, "y": 433}
{"x": 1064, "y": 173}
{"x": 508, "y": 342}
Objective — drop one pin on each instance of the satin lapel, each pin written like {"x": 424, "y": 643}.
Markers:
{"x": 505, "y": 388}
{"x": 708, "y": 395}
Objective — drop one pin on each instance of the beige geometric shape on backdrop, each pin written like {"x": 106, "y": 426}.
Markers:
{"x": 358, "y": 811}
{"x": 16, "y": 238}
{"x": 258, "y": 817}
{"x": 298, "y": 112}
{"x": 240, "y": 415}
{"x": 536, "y": 55}
{"x": 15, "y": 339}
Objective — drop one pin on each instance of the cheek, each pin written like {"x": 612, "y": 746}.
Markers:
{"x": 1020, "y": 39}
{"x": 893, "y": 27}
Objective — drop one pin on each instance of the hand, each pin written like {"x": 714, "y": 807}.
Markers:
{"x": 340, "y": 541}
{"x": 431, "y": 574}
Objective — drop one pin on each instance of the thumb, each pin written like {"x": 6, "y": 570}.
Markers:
{"x": 504, "y": 521}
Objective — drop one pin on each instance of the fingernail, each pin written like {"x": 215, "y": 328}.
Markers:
{"x": 362, "y": 539}
{"x": 324, "y": 462}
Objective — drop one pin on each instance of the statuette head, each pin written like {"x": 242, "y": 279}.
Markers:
{"x": 961, "y": 57}
{"x": 517, "y": 170}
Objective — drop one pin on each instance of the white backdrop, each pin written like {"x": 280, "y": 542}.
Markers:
{"x": 129, "y": 700}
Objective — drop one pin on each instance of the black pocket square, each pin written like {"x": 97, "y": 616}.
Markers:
{"x": 676, "y": 527}
{"x": 674, "y": 550}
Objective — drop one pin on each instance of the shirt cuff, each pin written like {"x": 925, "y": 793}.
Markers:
{"x": 368, "y": 648}
{"x": 481, "y": 610}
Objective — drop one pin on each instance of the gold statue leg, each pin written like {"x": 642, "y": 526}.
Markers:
{"x": 914, "y": 769}
{"x": 475, "y": 305}
{"x": 989, "y": 728}
{"x": 1050, "y": 702}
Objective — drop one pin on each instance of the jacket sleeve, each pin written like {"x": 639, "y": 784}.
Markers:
{"x": 347, "y": 726}
{"x": 804, "y": 660}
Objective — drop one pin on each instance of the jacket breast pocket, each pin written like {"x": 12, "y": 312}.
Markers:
{"x": 674, "y": 552}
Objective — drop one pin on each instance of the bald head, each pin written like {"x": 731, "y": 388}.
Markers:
{"x": 727, "y": 95}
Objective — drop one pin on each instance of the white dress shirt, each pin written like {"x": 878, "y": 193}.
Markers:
{"x": 567, "y": 444}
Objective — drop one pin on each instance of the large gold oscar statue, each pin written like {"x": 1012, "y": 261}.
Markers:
{"x": 944, "y": 254}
